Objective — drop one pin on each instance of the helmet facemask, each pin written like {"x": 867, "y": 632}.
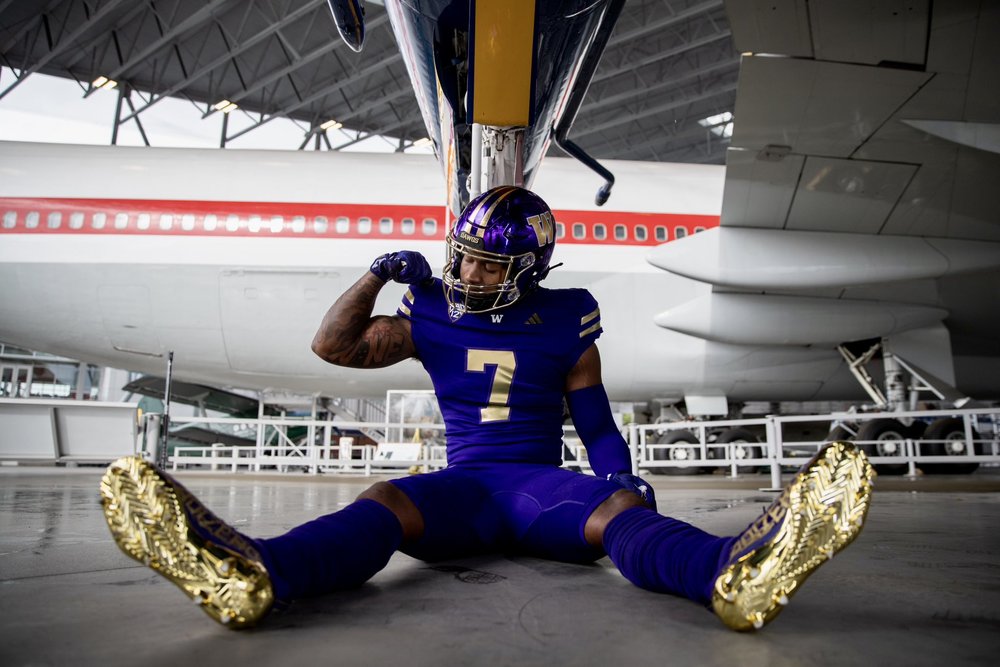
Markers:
{"x": 466, "y": 297}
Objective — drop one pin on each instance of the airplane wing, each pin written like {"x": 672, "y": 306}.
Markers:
{"x": 861, "y": 187}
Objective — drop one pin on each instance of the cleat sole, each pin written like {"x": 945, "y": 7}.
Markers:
{"x": 148, "y": 523}
{"x": 827, "y": 504}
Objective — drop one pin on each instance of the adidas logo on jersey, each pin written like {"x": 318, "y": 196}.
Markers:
{"x": 534, "y": 319}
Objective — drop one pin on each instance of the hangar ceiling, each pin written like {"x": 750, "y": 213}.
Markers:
{"x": 669, "y": 66}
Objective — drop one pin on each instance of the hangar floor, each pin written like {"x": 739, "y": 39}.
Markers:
{"x": 919, "y": 587}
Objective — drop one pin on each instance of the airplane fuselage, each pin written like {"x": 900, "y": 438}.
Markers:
{"x": 230, "y": 259}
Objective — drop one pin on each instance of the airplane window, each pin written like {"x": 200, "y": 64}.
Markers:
{"x": 661, "y": 233}
{"x": 364, "y": 225}
{"x": 31, "y": 221}
{"x": 55, "y": 219}
{"x": 385, "y": 226}
{"x": 253, "y": 223}
{"x": 232, "y": 223}
{"x": 320, "y": 224}
{"x": 187, "y": 222}
{"x": 343, "y": 225}
{"x": 142, "y": 221}
{"x": 579, "y": 231}
{"x": 9, "y": 219}
{"x": 408, "y": 226}
{"x": 600, "y": 232}
{"x": 210, "y": 222}
{"x": 680, "y": 232}
{"x": 620, "y": 233}
{"x": 277, "y": 224}
{"x": 560, "y": 230}
{"x": 298, "y": 224}
{"x": 76, "y": 221}
{"x": 640, "y": 232}
{"x": 98, "y": 220}
{"x": 430, "y": 226}
{"x": 698, "y": 229}
{"x": 121, "y": 220}
{"x": 166, "y": 221}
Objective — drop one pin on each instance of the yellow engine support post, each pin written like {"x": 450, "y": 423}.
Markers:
{"x": 503, "y": 55}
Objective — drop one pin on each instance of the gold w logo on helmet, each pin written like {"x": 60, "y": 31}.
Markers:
{"x": 544, "y": 227}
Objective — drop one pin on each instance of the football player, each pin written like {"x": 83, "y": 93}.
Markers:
{"x": 503, "y": 353}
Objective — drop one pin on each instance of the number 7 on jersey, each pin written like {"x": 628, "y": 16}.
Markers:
{"x": 497, "y": 409}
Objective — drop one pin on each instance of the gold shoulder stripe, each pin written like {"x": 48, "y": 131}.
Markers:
{"x": 591, "y": 329}
{"x": 404, "y": 307}
{"x": 587, "y": 318}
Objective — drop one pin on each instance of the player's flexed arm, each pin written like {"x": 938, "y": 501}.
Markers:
{"x": 350, "y": 336}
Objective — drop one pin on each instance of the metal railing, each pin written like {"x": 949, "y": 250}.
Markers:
{"x": 777, "y": 443}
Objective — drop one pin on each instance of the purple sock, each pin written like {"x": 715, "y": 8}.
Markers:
{"x": 334, "y": 552}
{"x": 665, "y": 555}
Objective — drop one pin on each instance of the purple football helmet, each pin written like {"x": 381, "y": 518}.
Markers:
{"x": 509, "y": 226}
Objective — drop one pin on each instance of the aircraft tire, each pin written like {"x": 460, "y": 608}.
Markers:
{"x": 679, "y": 453}
{"x": 952, "y": 431}
{"x": 750, "y": 448}
{"x": 884, "y": 432}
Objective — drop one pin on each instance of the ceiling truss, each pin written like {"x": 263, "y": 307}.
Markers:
{"x": 668, "y": 66}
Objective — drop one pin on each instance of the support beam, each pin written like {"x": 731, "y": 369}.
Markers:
{"x": 322, "y": 93}
{"x": 185, "y": 26}
{"x": 63, "y": 45}
{"x": 234, "y": 51}
{"x": 621, "y": 119}
{"x": 309, "y": 57}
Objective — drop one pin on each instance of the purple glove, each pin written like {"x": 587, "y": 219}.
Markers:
{"x": 406, "y": 266}
{"x": 636, "y": 485}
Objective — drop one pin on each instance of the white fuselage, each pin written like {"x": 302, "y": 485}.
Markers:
{"x": 230, "y": 259}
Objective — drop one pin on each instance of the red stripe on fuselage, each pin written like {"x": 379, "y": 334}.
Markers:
{"x": 301, "y": 220}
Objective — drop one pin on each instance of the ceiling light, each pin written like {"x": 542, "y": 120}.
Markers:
{"x": 225, "y": 106}
{"x": 104, "y": 82}
{"x": 421, "y": 142}
{"x": 331, "y": 125}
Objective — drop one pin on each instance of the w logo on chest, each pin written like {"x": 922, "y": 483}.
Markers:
{"x": 497, "y": 318}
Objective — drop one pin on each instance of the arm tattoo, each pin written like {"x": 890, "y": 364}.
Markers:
{"x": 350, "y": 336}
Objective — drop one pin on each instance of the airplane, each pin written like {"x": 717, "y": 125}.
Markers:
{"x": 229, "y": 259}
{"x": 855, "y": 210}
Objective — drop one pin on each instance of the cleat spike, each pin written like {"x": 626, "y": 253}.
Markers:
{"x": 783, "y": 600}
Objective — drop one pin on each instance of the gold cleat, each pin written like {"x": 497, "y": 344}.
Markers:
{"x": 156, "y": 521}
{"x": 819, "y": 513}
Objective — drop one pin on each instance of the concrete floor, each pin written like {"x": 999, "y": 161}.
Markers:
{"x": 920, "y": 586}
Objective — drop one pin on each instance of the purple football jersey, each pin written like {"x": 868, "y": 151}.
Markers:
{"x": 500, "y": 376}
